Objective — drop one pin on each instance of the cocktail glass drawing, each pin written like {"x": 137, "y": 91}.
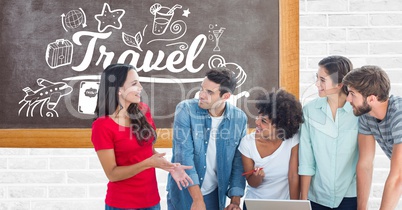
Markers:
{"x": 162, "y": 17}
{"x": 161, "y": 21}
{"x": 217, "y": 35}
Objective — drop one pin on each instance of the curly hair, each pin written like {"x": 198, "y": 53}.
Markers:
{"x": 284, "y": 111}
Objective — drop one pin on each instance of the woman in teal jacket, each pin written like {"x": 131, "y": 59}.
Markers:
{"x": 328, "y": 149}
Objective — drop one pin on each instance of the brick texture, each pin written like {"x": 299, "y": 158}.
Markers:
{"x": 366, "y": 31}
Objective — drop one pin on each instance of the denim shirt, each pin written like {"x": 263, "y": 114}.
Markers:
{"x": 191, "y": 132}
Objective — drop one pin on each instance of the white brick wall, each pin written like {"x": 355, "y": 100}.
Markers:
{"x": 367, "y": 31}
{"x": 33, "y": 179}
{"x": 51, "y": 179}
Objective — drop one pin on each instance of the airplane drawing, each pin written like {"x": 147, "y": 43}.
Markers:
{"x": 49, "y": 94}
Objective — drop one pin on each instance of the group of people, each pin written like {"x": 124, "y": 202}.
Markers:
{"x": 322, "y": 152}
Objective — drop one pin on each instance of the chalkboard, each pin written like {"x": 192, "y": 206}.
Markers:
{"x": 54, "y": 51}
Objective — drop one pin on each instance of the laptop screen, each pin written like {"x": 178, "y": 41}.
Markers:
{"x": 275, "y": 204}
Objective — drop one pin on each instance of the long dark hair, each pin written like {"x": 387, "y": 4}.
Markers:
{"x": 112, "y": 78}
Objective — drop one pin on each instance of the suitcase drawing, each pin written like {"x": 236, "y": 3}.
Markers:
{"x": 59, "y": 53}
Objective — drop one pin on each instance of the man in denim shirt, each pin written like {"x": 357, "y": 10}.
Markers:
{"x": 206, "y": 134}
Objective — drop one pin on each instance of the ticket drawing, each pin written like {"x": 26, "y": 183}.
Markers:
{"x": 88, "y": 95}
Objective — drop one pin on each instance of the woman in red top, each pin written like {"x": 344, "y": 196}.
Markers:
{"x": 123, "y": 135}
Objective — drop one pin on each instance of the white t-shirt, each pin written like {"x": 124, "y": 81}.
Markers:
{"x": 275, "y": 184}
{"x": 211, "y": 179}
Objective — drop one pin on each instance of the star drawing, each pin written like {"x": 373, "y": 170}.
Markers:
{"x": 186, "y": 12}
{"x": 109, "y": 18}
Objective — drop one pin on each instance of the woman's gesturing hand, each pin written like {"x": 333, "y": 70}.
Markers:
{"x": 158, "y": 161}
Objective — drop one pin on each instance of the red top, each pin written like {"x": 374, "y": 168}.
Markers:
{"x": 141, "y": 190}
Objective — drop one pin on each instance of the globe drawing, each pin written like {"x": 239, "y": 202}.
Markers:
{"x": 74, "y": 18}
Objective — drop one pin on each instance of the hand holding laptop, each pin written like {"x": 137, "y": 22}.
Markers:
{"x": 276, "y": 204}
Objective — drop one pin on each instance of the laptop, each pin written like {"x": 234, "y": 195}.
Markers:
{"x": 275, "y": 204}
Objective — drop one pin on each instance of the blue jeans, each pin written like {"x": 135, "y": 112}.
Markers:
{"x": 346, "y": 204}
{"x": 211, "y": 201}
{"x": 156, "y": 207}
